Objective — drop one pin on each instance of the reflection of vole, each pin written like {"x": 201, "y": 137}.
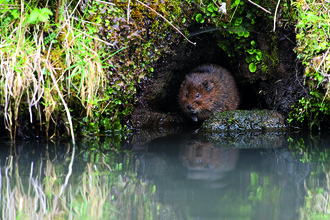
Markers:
{"x": 197, "y": 155}
{"x": 206, "y": 90}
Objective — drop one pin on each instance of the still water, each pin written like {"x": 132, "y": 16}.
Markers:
{"x": 178, "y": 176}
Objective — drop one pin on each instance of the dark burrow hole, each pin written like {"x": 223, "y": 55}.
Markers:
{"x": 170, "y": 72}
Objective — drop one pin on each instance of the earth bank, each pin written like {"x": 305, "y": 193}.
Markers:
{"x": 278, "y": 89}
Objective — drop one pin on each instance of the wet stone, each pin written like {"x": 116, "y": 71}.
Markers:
{"x": 246, "y": 129}
{"x": 244, "y": 120}
{"x": 149, "y": 125}
{"x": 143, "y": 118}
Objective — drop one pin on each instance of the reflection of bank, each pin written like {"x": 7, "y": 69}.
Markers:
{"x": 206, "y": 161}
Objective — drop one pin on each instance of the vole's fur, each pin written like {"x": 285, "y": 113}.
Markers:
{"x": 206, "y": 90}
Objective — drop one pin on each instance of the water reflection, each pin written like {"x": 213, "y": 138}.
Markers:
{"x": 208, "y": 162}
{"x": 179, "y": 176}
{"x": 205, "y": 156}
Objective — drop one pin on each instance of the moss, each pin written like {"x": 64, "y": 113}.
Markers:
{"x": 144, "y": 37}
{"x": 313, "y": 50}
{"x": 244, "y": 120}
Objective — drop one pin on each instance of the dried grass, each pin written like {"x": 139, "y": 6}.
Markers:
{"x": 34, "y": 73}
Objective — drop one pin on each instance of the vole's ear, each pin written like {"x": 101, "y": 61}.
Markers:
{"x": 208, "y": 85}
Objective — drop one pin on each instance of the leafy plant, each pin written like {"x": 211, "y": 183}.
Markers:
{"x": 310, "y": 110}
{"x": 236, "y": 28}
{"x": 38, "y": 15}
{"x": 254, "y": 57}
{"x": 8, "y": 12}
{"x": 313, "y": 31}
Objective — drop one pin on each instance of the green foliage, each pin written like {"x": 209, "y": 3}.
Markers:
{"x": 239, "y": 27}
{"x": 235, "y": 29}
{"x": 310, "y": 110}
{"x": 9, "y": 11}
{"x": 199, "y": 18}
{"x": 313, "y": 31}
{"x": 38, "y": 15}
{"x": 254, "y": 57}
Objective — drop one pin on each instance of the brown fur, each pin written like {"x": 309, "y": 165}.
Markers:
{"x": 206, "y": 90}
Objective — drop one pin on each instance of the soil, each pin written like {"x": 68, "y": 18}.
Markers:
{"x": 286, "y": 87}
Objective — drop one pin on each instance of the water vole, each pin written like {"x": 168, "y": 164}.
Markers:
{"x": 206, "y": 90}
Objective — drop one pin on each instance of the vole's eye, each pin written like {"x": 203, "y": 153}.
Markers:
{"x": 198, "y": 95}
{"x": 186, "y": 94}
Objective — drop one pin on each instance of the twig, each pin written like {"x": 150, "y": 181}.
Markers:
{"x": 324, "y": 56}
{"x": 278, "y": 3}
{"x": 93, "y": 37}
{"x": 65, "y": 106}
{"x": 109, "y": 3}
{"x": 325, "y": 32}
{"x": 259, "y": 6}
{"x": 14, "y": 6}
{"x": 72, "y": 12}
{"x": 113, "y": 119}
{"x": 128, "y": 11}
{"x": 57, "y": 14}
{"x": 106, "y": 107}
{"x": 233, "y": 13}
{"x": 36, "y": 67}
{"x": 167, "y": 21}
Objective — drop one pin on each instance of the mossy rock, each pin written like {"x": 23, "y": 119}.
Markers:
{"x": 244, "y": 120}
{"x": 245, "y": 129}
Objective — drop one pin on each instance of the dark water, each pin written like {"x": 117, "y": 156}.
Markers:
{"x": 179, "y": 176}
